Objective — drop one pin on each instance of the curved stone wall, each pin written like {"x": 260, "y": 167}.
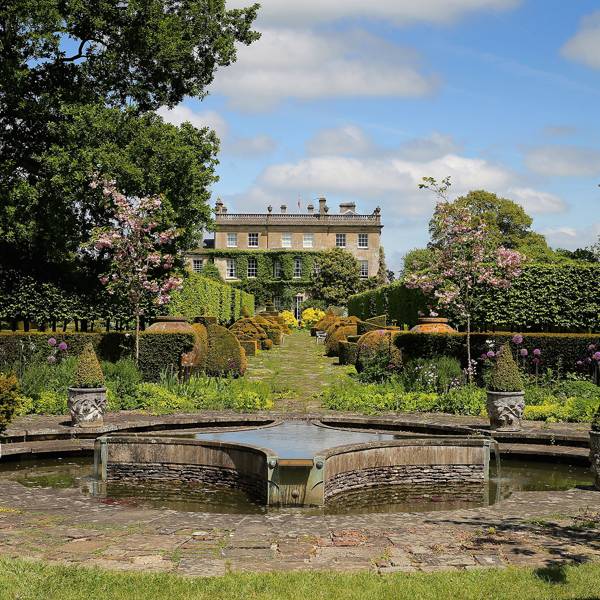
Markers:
{"x": 423, "y": 465}
{"x": 179, "y": 460}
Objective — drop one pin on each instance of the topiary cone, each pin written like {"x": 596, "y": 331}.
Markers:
{"x": 505, "y": 375}
{"x": 88, "y": 372}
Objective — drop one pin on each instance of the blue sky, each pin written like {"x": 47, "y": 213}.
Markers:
{"x": 356, "y": 101}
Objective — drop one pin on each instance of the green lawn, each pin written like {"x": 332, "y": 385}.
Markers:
{"x": 26, "y": 580}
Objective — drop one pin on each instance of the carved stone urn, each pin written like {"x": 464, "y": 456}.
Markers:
{"x": 87, "y": 406}
{"x": 505, "y": 410}
{"x": 595, "y": 452}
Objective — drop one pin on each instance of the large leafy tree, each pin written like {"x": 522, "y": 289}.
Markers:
{"x": 337, "y": 277}
{"x": 79, "y": 80}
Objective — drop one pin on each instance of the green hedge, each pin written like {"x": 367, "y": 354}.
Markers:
{"x": 549, "y": 298}
{"x": 201, "y": 296}
{"x": 559, "y": 350}
{"x": 157, "y": 350}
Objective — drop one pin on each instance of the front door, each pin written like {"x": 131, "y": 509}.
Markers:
{"x": 298, "y": 300}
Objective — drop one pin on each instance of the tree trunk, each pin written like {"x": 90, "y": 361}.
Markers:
{"x": 469, "y": 366}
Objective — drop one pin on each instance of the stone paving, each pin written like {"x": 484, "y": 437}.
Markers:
{"x": 530, "y": 528}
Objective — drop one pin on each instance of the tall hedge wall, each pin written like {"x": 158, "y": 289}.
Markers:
{"x": 546, "y": 298}
{"x": 201, "y": 296}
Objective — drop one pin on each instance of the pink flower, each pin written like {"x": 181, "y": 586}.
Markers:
{"x": 52, "y": 342}
{"x": 596, "y": 356}
{"x": 537, "y": 352}
{"x": 524, "y": 352}
{"x": 63, "y": 346}
{"x": 517, "y": 339}
{"x": 490, "y": 354}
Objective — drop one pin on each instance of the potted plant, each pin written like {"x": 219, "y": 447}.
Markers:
{"x": 505, "y": 394}
{"x": 595, "y": 447}
{"x": 87, "y": 395}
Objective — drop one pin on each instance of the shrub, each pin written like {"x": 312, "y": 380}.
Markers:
{"x": 267, "y": 344}
{"x": 273, "y": 329}
{"x": 439, "y": 374}
{"x": 9, "y": 396}
{"x": 160, "y": 351}
{"x": 340, "y": 334}
{"x": 50, "y": 403}
{"x": 158, "y": 400}
{"x": 379, "y": 320}
{"x": 465, "y": 400}
{"x": 122, "y": 379}
{"x": 248, "y": 329}
{"x": 289, "y": 319}
{"x": 328, "y": 319}
{"x": 376, "y": 344}
{"x": 311, "y": 316}
{"x": 38, "y": 376}
{"x": 505, "y": 375}
{"x": 225, "y": 355}
{"x": 348, "y": 351}
{"x": 88, "y": 372}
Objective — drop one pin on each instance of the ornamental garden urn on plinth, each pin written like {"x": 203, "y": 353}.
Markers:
{"x": 595, "y": 447}
{"x": 87, "y": 395}
{"x": 432, "y": 325}
{"x": 505, "y": 394}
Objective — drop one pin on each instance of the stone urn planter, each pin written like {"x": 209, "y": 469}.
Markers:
{"x": 87, "y": 406}
{"x": 432, "y": 325}
{"x": 505, "y": 410}
{"x": 505, "y": 395}
{"x": 87, "y": 394}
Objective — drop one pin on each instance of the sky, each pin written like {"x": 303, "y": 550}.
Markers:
{"x": 357, "y": 101}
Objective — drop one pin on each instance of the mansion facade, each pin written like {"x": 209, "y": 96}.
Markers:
{"x": 311, "y": 231}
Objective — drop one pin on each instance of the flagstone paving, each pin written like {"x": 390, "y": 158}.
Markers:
{"x": 531, "y": 528}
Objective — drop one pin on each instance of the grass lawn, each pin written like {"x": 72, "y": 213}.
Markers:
{"x": 26, "y": 580}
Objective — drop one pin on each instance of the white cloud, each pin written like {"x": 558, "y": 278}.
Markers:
{"x": 564, "y": 161}
{"x": 537, "y": 202}
{"x": 303, "y": 64}
{"x": 571, "y": 237}
{"x": 345, "y": 140}
{"x": 428, "y": 148}
{"x": 181, "y": 113}
{"x": 400, "y": 12}
{"x": 584, "y": 46}
{"x": 251, "y": 146}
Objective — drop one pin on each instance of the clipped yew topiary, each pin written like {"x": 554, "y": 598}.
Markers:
{"x": 248, "y": 329}
{"x": 505, "y": 375}
{"x": 375, "y": 344}
{"x": 332, "y": 343}
{"x": 88, "y": 372}
{"x": 273, "y": 329}
{"x": 9, "y": 397}
{"x": 225, "y": 355}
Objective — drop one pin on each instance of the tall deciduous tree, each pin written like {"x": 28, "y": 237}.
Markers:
{"x": 465, "y": 256}
{"x": 77, "y": 81}
{"x": 337, "y": 277}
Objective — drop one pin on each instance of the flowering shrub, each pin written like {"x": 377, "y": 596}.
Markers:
{"x": 9, "y": 392}
{"x": 289, "y": 319}
{"x": 311, "y": 316}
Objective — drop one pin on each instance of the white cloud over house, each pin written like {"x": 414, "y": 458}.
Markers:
{"x": 564, "y": 161}
{"x": 584, "y": 46}
{"x": 309, "y": 65}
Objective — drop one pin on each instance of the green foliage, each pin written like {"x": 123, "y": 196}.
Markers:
{"x": 379, "y": 346}
{"x": 439, "y": 374}
{"x": 51, "y": 403}
{"x": 67, "y": 113}
{"x": 202, "y": 296}
{"x": 348, "y": 352}
{"x": 122, "y": 380}
{"x": 596, "y": 420}
{"x": 211, "y": 271}
{"x": 332, "y": 343}
{"x": 545, "y": 297}
{"x": 505, "y": 375}
{"x": 159, "y": 351}
{"x": 337, "y": 278}
{"x": 9, "y": 396}
{"x": 38, "y": 377}
{"x": 88, "y": 372}
{"x": 225, "y": 355}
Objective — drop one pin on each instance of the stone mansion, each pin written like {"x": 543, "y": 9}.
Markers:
{"x": 313, "y": 230}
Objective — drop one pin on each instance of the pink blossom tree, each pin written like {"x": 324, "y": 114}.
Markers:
{"x": 140, "y": 267}
{"x": 464, "y": 258}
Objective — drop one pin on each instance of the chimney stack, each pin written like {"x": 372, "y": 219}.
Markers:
{"x": 283, "y": 209}
{"x": 310, "y": 208}
{"x": 347, "y": 207}
{"x": 322, "y": 205}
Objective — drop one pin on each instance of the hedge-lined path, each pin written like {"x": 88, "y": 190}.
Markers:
{"x": 298, "y": 371}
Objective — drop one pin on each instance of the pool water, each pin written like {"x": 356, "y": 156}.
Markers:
{"x": 76, "y": 473}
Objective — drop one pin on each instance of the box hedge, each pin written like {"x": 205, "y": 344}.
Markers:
{"x": 225, "y": 354}
{"x": 558, "y": 350}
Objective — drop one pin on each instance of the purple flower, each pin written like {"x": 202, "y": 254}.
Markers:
{"x": 592, "y": 347}
{"x": 579, "y": 363}
{"x": 51, "y": 360}
{"x": 483, "y": 356}
{"x": 52, "y": 342}
{"x": 490, "y": 354}
{"x": 596, "y": 356}
{"x": 524, "y": 352}
{"x": 63, "y": 346}
{"x": 517, "y": 339}
{"x": 537, "y": 352}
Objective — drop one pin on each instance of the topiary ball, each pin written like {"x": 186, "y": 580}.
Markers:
{"x": 374, "y": 344}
